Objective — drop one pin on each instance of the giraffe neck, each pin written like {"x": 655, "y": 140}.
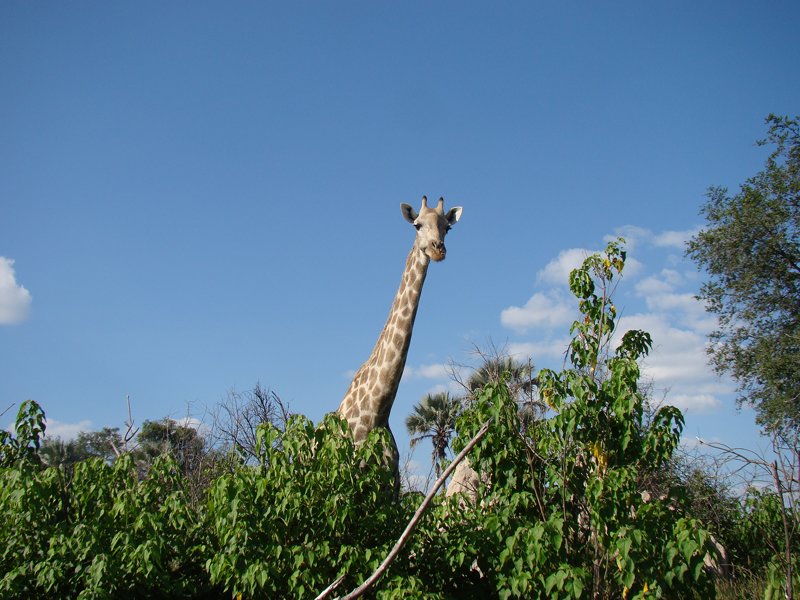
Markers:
{"x": 369, "y": 398}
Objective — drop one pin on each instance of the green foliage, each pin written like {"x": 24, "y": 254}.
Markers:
{"x": 759, "y": 544}
{"x": 559, "y": 512}
{"x": 750, "y": 249}
{"x": 29, "y": 428}
{"x": 102, "y": 534}
{"x": 167, "y": 435}
{"x": 104, "y": 443}
{"x": 316, "y": 507}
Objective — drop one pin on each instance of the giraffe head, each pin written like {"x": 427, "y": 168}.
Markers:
{"x": 432, "y": 225}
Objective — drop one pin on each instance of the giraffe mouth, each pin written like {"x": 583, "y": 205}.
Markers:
{"x": 437, "y": 254}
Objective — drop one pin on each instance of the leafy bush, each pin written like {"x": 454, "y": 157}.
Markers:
{"x": 560, "y": 510}
{"x": 315, "y": 508}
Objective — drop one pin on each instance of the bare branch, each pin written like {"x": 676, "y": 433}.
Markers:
{"x": 364, "y": 587}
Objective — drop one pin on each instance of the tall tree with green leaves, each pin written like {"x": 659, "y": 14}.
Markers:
{"x": 169, "y": 436}
{"x": 55, "y": 452}
{"x": 750, "y": 249}
{"x": 434, "y": 418}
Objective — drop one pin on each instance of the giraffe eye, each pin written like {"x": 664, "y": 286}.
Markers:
{"x": 418, "y": 226}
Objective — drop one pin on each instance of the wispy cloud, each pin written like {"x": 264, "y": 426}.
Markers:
{"x": 679, "y": 324}
{"x": 543, "y": 310}
{"x": 553, "y": 348}
{"x": 674, "y": 239}
{"x": 431, "y": 371}
{"x": 557, "y": 271}
{"x": 635, "y": 235}
{"x": 632, "y": 234}
{"x": 677, "y": 365}
{"x": 15, "y": 300}
{"x": 66, "y": 431}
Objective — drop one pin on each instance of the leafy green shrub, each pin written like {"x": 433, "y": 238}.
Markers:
{"x": 560, "y": 511}
{"x": 560, "y": 514}
{"x": 104, "y": 533}
{"x": 315, "y": 508}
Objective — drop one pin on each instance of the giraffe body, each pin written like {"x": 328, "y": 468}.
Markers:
{"x": 368, "y": 401}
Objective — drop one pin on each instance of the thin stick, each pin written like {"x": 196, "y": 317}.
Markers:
{"x": 360, "y": 590}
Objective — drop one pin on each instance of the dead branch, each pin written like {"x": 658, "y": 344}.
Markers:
{"x": 360, "y": 590}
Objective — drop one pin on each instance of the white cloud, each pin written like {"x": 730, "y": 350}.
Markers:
{"x": 632, "y": 235}
{"x": 632, "y": 267}
{"x": 650, "y": 286}
{"x": 696, "y": 402}
{"x": 432, "y": 371}
{"x": 15, "y": 300}
{"x": 678, "y": 363}
{"x": 538, "y": 350}
{"x": 548, "y": 310}
{"x": 674, "y": 239}
{"x": 441, "y": 388}
{"x": 660, "y": 296}
{"x": 557, "y": 270}
{"x": 192, "y": 422}
{"x": 66, "y": 431}
{"x": 677, "y": 366}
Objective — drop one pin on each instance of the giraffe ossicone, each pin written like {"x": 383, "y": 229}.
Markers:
{"x": 369, "y": 399}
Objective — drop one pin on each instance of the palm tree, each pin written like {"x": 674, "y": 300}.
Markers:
{"x": 55, "y": 452}
{"x": 518, "y": 378}
{"x": 434, "y": 417}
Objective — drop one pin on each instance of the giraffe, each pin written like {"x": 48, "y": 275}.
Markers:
{"x": 369, "y": 399}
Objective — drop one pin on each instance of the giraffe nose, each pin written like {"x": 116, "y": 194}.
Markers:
{"x": 438, "y": 245}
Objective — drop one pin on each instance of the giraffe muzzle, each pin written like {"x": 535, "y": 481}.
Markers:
{"x": 437, "y": 251}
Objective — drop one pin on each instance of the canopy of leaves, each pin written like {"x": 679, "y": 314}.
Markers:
{"x": 560, "y": 510}
{"x": 750, "y": 249}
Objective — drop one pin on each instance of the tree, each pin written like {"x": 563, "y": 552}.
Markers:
{"x": 434, "y": 418}
{"x": 106, "y": 443}
{"x": 29, "y": 429}
{"x": 56, "y": 452}
{"x": 516, "y": 376}
{"x": 236, "y": 420}
{"x": 558, "y": 511}
{"x": 750, "y": 249}
{"x": 169, "y": 436}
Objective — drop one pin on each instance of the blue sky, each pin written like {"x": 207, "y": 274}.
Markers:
{"x": 196, "y": 196}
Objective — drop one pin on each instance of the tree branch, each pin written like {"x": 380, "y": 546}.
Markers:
{"x": 360, "y": 590}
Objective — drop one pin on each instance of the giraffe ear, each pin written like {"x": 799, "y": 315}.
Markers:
{"x": 409, "y": 213}
{"x": 453, "y": 215}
